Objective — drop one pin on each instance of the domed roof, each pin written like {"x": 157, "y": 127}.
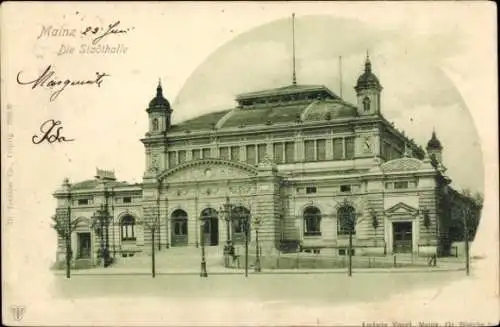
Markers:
{"x": 159, "y": 101}
{"x": 434, "y": 143}
{"x": 368, "y": 79}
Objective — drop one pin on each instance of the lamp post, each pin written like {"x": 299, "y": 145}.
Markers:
{"x": 246, "y": 227}
{"x": 152, "y": 226}
{"x": 226, "y": 211}
{"x": 153, "y": 261}
{"x": 203, "y": 272}
{"x": 68, "y": 239}
{"x": 100, "y": 223}
{"x": 257, "y": 254}
{"x": 466, "y": 239}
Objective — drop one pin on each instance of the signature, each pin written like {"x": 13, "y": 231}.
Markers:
{"x": 50, "y": 132}
{"x": 48, "y": 80}
{"x": 102, "y": 32}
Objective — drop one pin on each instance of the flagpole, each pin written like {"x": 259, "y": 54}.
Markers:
{"x": 340, "y": 76}
{"x": 294, "y": 77}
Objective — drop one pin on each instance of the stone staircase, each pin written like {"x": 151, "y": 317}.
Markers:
{"x": 182, "y": 258}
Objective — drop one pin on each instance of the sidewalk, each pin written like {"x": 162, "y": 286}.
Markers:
{"x": 100, "y": 271}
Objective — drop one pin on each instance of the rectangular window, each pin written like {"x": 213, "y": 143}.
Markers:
{"x": 251, "y": 155}
{"x": 344, "y": 251}
{"x": 235, "y": 153}
{"x": 389, "y": 185}
{"x": 349, "y": 147}
{"x": 172, "y": 159}
{"x": 196, "y": 154}
{"x": 401, "y": 184}
{"x": 321, "y": 149}
{"x": 82, "y": 202}
{"x": 309, "y": 150}
{"x": 206, "y": 153}
{"x": 127, "y": 199}
{"x": 345, "y": 188}
{"x": 182, "y": 156}
{"x": 289, "y": 152}
{"x": 338, "y": 151}
{"x": 310, "y": 189}
{"x": 278, "y": 153}
{"x": 262, "y": 151}
{"x": 224, "y": 153}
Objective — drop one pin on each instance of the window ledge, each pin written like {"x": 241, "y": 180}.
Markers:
{"x": 312, "y": 235}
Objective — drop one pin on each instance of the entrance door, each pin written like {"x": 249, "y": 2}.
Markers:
{"x": 402, "y": 237}
{"x": 83, "y": 240}
{"x": 210, "y": 230}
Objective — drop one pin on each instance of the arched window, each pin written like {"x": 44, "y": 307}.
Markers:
{"x": 127, "y": 228}
{"x": 346, "y": 220}
{"x": 312, "y": 221}
{"x": 179, "y": 222}
{"x": 155, "y": 124}
{"x": 366, "y": 104}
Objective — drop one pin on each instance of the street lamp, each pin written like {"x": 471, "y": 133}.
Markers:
{"x": 152, "y": 226}
{"x": 466, "y": 212}
{"x": 203, "y": 272}
{"x": 257, "y": 222}
{"x": 100, "y": 223}
{"x": 246, "y": 230}
{"x": 348, "y": 219}
{"x": 225, "y": 212}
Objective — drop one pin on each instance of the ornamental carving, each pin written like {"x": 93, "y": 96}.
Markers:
{"x": 206, "y": 173}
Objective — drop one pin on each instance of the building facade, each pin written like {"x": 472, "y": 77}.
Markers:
{"x": 307, "y": 165}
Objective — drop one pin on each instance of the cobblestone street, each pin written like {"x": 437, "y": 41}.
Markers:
{"x": 266, "y": 287}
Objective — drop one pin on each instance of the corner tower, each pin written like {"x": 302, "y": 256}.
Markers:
{"x": 159, "y": 112}
{"x": 435, "y": 149}
{"x": 368, "y": 90}
{"x": 159, "y": 117}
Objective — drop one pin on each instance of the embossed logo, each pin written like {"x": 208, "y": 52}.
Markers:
{"x": 17, "y": 312}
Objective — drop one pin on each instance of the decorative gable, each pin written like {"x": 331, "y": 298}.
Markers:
{"x": 401, "y": 209}
{"x": 209, "y": 170}
{"x": 402, "y": 164}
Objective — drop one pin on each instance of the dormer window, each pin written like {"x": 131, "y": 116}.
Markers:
{"x": 366, "y": 104}
{"x": 155, "y": 124}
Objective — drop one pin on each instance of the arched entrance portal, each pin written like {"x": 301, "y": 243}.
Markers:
{"x": 209, "y": 227}
{"x": 179, "y": 230}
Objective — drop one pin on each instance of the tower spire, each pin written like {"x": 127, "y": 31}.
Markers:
{"x": 159, "y": 90}
{"x": 294, "y": 77}
{"x": 368, "y": 64}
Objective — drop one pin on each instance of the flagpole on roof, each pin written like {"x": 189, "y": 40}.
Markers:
{"x": 340, "y": 76}
{"x": 294, "y": 77}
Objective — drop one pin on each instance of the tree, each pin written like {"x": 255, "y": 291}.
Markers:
{"x": 64, "y": 228}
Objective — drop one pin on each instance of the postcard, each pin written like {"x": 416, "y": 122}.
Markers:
{"x": 235, "y": 164}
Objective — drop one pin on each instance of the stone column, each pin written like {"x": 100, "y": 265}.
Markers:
{"x": 268, "y": 207}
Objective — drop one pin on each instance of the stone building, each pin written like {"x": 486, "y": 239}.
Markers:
{"x": 299, "y": 159}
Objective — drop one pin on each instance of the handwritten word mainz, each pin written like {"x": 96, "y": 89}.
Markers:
{"x": 49, "y": 133}
{"x": 97, "y": 32}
